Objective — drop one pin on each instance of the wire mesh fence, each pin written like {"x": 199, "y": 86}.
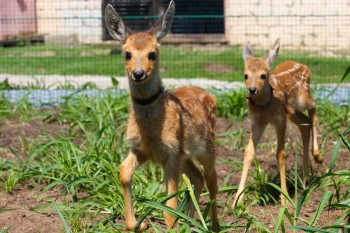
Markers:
{"x": 45, "y": 37}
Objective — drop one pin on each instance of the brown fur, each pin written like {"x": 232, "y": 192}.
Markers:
{"x": 283, "y": 93}
{"x": 173, "y": 129}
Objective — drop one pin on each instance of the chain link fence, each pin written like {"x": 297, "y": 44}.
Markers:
{"x": 44, "y": 38}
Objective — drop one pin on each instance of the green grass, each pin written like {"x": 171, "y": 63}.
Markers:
{"x": 85, "y": 158}
{"x": 218, "y": 62}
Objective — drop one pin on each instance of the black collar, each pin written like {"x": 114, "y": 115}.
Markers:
{"x": 252, "y": 102}
{"x": 150, "y": 99}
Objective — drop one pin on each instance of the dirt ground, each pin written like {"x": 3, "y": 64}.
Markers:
{"x": 27, "y": 196}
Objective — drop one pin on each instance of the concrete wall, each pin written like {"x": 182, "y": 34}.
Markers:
{"x": 321, "y": 25}
{"x": 70, "y": 21}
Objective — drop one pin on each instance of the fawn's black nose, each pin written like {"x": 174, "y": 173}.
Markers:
{"x": 252, "y": 90}
{"x": 138, "y": 75}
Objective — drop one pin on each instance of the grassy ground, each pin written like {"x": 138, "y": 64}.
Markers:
{"x": 183, "y": 61}
{"x": 78, "y": 152}
{"x": 74, "y": 151}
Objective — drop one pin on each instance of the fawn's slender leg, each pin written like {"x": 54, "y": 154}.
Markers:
{"x": 210, "y": 177}
{"x": 257, "y": 130}
{"x": 197, "y": 181}
{"x": 315, "y": 151}
{"x": 281, "y": 156}
{"x": 171, "y": 177}
{"x": 127, "y": 168}
{"x": 304, "y": 124}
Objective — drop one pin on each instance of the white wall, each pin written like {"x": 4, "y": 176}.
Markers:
{"x": 70, "y": 21}
{"x": 321, "y": 25}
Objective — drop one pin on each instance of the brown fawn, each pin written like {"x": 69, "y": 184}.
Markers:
{"x": 172, "y": 128}
{"x": 274, "y": 97}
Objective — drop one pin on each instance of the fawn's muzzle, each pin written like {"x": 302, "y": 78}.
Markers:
{"x": 138, "y": 75}
{"x": 252, "y": 90}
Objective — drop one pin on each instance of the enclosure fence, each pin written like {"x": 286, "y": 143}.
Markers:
{"x": 69, "y": 38}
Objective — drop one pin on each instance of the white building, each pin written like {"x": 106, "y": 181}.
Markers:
{"x": 300, "y": 24}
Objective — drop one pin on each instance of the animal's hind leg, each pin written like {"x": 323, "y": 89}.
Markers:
{"x": 196, "y": 179}
{"x": 304, "y": 124}
{"x": 210, "y": 177}
{"x": 281, "y": 157}
{"x": 315, "y": 151}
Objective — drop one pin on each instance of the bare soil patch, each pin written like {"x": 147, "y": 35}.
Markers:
{"x": 20, "y": 217}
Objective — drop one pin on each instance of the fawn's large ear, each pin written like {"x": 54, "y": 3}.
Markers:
{"x": 163, "y": 24}
{"x": 115, "y": 24}
{"x": 247, "y": 51}
{"x": 273, "y": 52}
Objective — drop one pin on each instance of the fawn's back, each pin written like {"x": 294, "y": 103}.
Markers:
{"x": 293, "y": 80}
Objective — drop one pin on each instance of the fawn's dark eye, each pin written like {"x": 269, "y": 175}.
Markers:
{"x": 127, "y": 56}
{"x": 263, "y": 76}
{"x": 152, "y": 56}
{"x": 245, "y": 77}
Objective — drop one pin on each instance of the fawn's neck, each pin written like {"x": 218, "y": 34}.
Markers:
{"x": 148, "y": 92}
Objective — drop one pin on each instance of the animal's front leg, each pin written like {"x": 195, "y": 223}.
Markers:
{"x": 256, "y": 132}
{"x": 127, "y": 168}
{"x": 171, "y": 177}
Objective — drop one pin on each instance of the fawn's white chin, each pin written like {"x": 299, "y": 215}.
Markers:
{"x": 141, "y": 80}
{"x": 253, "y": 94}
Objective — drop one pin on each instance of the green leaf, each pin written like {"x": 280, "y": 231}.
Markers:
{"x": 347, "y": 71}
{"x": 338, "y": 224}
{"x": 260, "y": 226}
{"x": 311, "y": 229}
{"x": 345, "y": 202}
{"x": 301, "y": 201}
{"x": 53, "y": 184}
{"x": 286, "y": 195}
{"x": 163, "y": 200}
{"x": 194, "y": 200}
{"x": 115, "y": 82}
{"x": 334, "y": 156}
{"x": 280, "y": 220}
{"x": 64, "y": 222}
{"x": 326, "y": 198}
{"x": 160, "y": 206}
{"x": 40, "y": 207}
{"x": 6, "y": 209}
{"x": 346, "y": 143}
{"x": 6, "y": 229}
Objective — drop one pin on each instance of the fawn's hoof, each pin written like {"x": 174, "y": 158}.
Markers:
{"x": 317, "y": 157}
{"x": 132, "y": 227}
